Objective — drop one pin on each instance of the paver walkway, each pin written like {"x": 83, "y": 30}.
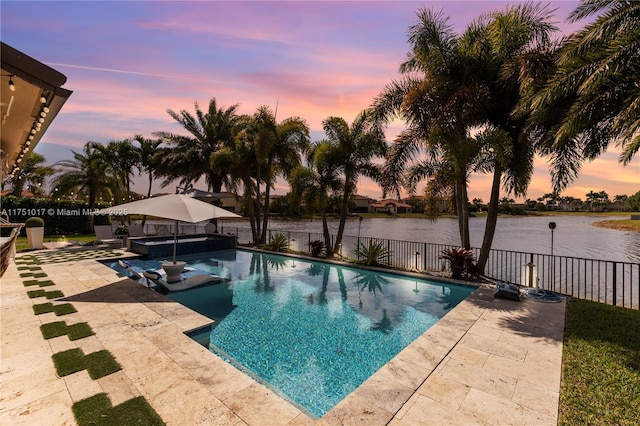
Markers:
{"x": 488, "y": 361}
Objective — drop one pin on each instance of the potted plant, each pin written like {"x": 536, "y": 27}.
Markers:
{"x": 457, "y": 258}
{"x": 35, "y": 232}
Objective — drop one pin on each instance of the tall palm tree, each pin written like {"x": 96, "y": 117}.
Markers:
{"x": 120, "y": 157}
{"x": 31, "y": 175}
{"x": 187, "y": 157}
{"x": 314, "y": 184}
{"x": 279, "y": 147}
{"x": 147, "y": 160}
{"x": 461, "y": 113}
{"x": 359, "y": 145}
{"x": 440, "y": 98}
{"x": 86, "y": 174}
{"x": 240, "y": 162}
{"x": 592, "y": 100}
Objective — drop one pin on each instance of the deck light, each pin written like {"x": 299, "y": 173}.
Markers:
{"x": 12, "y": 86}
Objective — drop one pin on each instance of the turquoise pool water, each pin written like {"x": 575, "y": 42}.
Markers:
{"x": 311, "y": 331}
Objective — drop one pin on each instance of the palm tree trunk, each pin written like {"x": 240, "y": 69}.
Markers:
{"x": 344, "y": 209}
{"x": 325, "y": 233}
{"x": 463, "y": 213}
{"x": 492, "y": 220}
{"x": 267, "y": 193}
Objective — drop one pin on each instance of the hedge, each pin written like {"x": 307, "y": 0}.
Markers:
{"x": 60, "y": 217}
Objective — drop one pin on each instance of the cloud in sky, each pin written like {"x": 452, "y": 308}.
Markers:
{"x": 129, "y": 61}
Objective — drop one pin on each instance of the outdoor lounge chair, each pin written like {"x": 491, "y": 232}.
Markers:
{"x": 129, "y": 268}
{"x": 104, "y": 235}
{"x": 135, "y": 230}
{"x": 186, "y": 283}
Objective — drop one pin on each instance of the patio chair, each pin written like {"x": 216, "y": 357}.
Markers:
{"x": 129, "y": 268}
{"x": 104, "y": 235}
{"x": 135, "y": 230}
{"x": 186, "y": 283}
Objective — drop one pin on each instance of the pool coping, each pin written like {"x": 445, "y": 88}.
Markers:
{"x": 471, "y": 354}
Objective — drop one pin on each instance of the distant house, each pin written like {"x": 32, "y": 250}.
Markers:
{"x": 362, "y": 203}
{"x": 390, "y": 206}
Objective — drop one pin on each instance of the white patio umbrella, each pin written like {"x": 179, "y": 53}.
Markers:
{"x": 178, "y": 207}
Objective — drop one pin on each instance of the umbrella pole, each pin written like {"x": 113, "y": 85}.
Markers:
{"x": 175, "y": 242}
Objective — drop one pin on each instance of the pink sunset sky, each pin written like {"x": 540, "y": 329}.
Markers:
{"x": 128, "y": 62}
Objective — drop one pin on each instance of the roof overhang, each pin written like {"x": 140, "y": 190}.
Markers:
{"x": 25, "y": 117}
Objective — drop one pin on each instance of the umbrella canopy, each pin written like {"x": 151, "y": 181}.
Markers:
{"x": 173, "y": 206}
{"x": 178, "y": 207}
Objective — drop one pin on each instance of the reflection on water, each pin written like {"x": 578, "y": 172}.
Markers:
{"x": 574, "y": 236}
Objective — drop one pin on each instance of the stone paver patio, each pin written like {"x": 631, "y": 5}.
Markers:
{"x": 488, "y": 361}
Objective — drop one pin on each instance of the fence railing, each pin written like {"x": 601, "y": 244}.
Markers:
{"x": 615, "y": 283}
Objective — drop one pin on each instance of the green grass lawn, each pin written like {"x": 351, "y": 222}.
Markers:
{"x": 601, "y": 365}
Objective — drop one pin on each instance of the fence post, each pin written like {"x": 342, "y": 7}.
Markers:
{"x": 424, "y": 258}
{"x": 615, "y": 283}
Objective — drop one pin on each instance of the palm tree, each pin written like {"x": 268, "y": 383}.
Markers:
{"x": 278, "y": 151}
{"x": 440, "y": 99}
{"x": 86, "y": 174}
{"x": 470, "y": 84}
{"x": 147, "y": 160}
{"x": 358, "y": 144}
{"x": 238, "y": 163}
{"x": 32, "y": 175}
{"x": 591, "y": 102}
{"x": 315, "y": 183}
{"x": 120, "y": 157}
{"x": 187, "y": 158}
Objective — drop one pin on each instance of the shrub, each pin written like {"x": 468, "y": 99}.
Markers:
{"x": 34, "y": 222}
{"x": 316, "y": 248}
{"x": 372, "y": 254}
{"x": 457, "y": 258}
{"x": 121, "y": 230}
{"x": 277, "y": 242}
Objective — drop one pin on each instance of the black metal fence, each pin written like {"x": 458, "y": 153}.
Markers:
{"x": 615, "y": 283}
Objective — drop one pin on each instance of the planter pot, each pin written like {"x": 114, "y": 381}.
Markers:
{"x": 456, "y": 270}
{"x": 35, "y": 237}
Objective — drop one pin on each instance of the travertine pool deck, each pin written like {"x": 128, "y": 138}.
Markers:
{"x": 488, "y": 361}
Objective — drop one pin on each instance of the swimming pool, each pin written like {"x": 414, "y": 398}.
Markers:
{"x": 311, "y": 331}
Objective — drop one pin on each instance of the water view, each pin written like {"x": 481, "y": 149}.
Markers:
{"x": 574, "y": 235}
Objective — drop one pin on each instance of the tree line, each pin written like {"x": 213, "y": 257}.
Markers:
{"x": 485, "y": 101}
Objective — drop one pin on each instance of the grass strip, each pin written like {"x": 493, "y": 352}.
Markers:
{"x": 601, "y": 365}
{"x": 63, "y": 309}
{"x": 41, "y": 293}
{"x": 53, "y": 294}
{"x": 97, "y": 410}
{"x": 33, "y": 275}
{"x": 60, "y": 328}
{"x": 100, "y": 364}
{"x": 69, "y": 361}
{"x": 36, "y": 293}
{"x": 53, "y": 329}
{"x": 29, "y": 268}
{"x": 79, "y": 331}
{"x": 39, "y": 283}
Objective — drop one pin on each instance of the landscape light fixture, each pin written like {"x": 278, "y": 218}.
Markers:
{"x": 43, "y": 99}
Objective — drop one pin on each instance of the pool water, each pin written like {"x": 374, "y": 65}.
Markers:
{"x": 311, "y": 331}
